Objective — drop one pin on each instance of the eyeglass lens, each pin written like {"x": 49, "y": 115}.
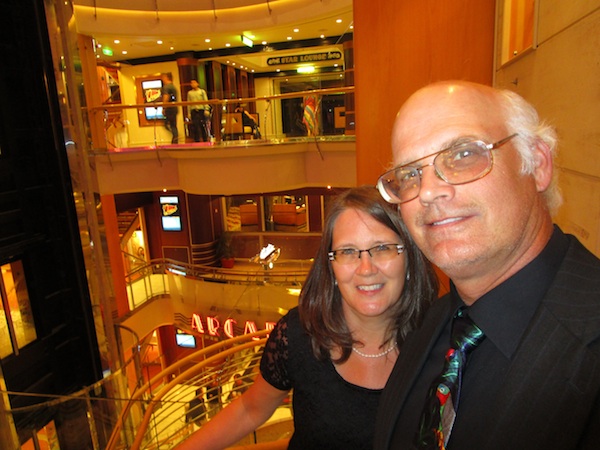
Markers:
{"x": 378, "y": 253}
{"x": 458, "y": 165}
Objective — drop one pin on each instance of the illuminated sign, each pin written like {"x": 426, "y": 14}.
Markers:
{"x": 311, "y": 57}
{"x": 107, "y": 51}
{"x": 213, "y": 327}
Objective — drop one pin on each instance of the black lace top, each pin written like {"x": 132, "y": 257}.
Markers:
{"x": 329, "y": 412}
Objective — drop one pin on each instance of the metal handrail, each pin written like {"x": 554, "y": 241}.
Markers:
{"x": 152, "y": 399}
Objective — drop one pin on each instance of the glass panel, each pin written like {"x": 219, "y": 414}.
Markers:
{"x": 286, "y": 213}
{"x": 517, "y": 28}
{"x": 5, "y": 341}
{"x": 242, "y": 213}
{"x": 17, "y": 299}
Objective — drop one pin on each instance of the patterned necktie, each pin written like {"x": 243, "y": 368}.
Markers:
{"x": 442, "y": 401}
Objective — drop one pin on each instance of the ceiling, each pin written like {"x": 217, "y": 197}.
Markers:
{"x": 212, "y": 29}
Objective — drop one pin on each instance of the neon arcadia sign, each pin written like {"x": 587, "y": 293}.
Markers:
{"x": 212, "y": 326}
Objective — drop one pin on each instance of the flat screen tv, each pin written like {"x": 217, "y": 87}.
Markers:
{"x": 153, "y": 113}
{"x": 185, "y": 340}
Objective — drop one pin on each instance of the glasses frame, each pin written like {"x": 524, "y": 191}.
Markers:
{"x": 332, "y": 254}
{"x": 381, "y": 187}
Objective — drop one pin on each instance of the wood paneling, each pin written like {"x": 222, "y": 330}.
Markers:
{"x": 403, "y": 45}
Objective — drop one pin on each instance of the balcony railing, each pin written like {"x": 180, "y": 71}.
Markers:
{"x": 125, "y": 131}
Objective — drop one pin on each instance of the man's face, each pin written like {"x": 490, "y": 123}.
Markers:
{"x": 482, "y": 227}
{"x": 194, "y": 84}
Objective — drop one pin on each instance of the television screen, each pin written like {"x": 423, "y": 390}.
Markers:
{"x": 185, "y": 340}
{"x": 171, "y": 223}
{"x": 153, "y": 113}
{"x": 171, "y": 217}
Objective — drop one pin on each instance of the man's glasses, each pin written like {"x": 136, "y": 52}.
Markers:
{"x": 459, "y": 164}
{"x": 379, "y": 254}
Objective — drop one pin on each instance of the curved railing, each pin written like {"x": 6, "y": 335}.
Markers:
{"x": 269, "y": 122}
{"x": 150, "y": 280}
{"x": 155, "y": 415}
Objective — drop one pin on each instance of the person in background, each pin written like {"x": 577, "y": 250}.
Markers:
{"x": 248, "y": 121}
{"x": 169, "y": 95}
{"x": 367, "y": 289}
{"x": 199, "y": 115}
{"x": 196, "y": 409}
{"x": 474, "y": 183}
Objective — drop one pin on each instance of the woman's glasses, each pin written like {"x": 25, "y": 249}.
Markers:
{"x": 380, "y": 253}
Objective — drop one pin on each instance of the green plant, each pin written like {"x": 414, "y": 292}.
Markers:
{"x": 224, "y": 245}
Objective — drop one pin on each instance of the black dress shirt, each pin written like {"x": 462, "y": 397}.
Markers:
{"x": 503, "y": 314}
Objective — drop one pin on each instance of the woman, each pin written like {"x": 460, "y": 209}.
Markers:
{"x": 367, "y": 289}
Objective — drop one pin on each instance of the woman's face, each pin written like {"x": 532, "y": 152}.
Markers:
{"x": 368, "y": 288}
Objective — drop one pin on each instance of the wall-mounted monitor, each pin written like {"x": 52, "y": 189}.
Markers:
{"x": 153, "y": 113}
{"x": 171, "y": 216}
{"x": 185, "y": 340}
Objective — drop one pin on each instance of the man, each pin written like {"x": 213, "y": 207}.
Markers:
{"x": 199, "y": 115}
{"x": 481, "y": 211}
{"x": 169, "y": 94}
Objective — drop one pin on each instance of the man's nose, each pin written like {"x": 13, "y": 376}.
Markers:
{"x": 433, "y": 187}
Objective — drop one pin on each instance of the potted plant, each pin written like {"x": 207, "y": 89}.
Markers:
{"x": 225, "y": 250}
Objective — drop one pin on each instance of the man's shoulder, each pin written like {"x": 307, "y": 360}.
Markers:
{"x": 574, "y": 296}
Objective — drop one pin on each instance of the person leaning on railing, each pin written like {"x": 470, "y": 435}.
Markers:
{"x": 367, "y": 289}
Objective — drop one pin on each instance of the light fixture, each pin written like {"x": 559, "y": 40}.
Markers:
{"x": 247, "y": 41}
{"x": 107, "y": 51}
{"x": 306, "y": 69}
{"x": 228, "y": 45}
{"x": 159, "y": 42}
{"x": 207, "y": 40}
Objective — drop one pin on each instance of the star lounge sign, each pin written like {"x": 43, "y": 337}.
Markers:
{"x": 308, "y": 58}
{"x": 213, "y": 327}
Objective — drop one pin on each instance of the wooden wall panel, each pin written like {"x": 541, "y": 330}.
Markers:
{"x": 403, "y": 45}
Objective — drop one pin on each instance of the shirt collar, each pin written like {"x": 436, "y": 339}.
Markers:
{"x": 505, "y": 312}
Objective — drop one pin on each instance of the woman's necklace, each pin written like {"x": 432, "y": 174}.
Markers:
{"x": 375, "y": 355}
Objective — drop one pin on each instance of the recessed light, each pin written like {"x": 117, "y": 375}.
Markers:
{"x": 228, "y": 45}
{"x": 159, "y": 42}
{"x": 322, "y": 36}
{"x": 338, "y": 21}
{"x": 296, "y": 30}
{"x": 289, "y": 38}
{"x": 124, "y": 52}
{"x": 207, "y": 40}
{"x": 116, "y": 41}
{"x": 264, "y": 42}
{"x": 172, "y": 48}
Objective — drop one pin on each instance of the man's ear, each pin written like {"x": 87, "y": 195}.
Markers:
{"x": 543, "y": 165}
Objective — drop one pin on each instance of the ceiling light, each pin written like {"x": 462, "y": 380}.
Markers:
{"x": 264, "y": 42}
{"x": 305, "y": 69}
{"x": 207, "y": 40}
{"x": 116, "y": 41}
{"x": 247, "y": 41}
{"x": 322, "y": 36}
{"x": 338, "y": 21}
{"x": 124, "y": 52}
{"x": 159, "y": 42}
{"x": 107, "y": 51}
{"x": 296, "y": 30}
{"x": 228, "y": 45}
{"x": 289, "y": 38}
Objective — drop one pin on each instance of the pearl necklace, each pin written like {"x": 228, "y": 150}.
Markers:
{"x": 375, "y": 355}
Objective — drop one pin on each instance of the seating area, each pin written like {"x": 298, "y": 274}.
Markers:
{"x": 233, "y": 128}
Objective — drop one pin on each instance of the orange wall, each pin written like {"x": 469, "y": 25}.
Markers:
{"x": 402, "y": 45}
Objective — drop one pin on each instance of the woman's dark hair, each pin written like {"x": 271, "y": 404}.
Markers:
{"x": 320, "y": 303}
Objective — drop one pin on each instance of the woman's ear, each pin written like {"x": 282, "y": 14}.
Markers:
{"x": 543, "y": 165}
